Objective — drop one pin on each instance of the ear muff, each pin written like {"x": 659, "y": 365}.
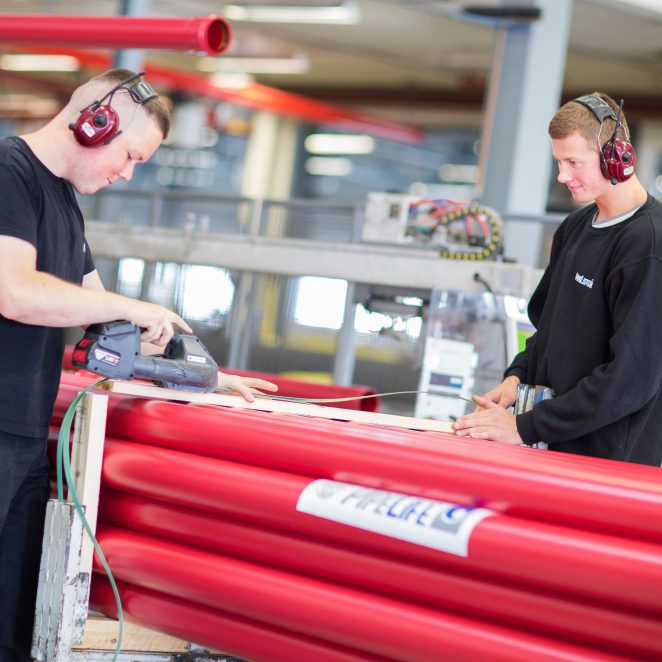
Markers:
{"x": 96, "y": 125}
{"x": 99, "y": 123}
{"x": 617, "y": 157}
{"x": 618, "y": 160}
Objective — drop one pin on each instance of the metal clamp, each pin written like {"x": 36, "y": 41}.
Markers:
{"x": 527, "y": 397}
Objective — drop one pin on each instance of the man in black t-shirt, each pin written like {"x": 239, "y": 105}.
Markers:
{"x": 596, "y": 310}
{"x": 48, "y": 283}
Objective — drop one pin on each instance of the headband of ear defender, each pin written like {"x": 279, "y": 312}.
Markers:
{"x": 98, "y": 123}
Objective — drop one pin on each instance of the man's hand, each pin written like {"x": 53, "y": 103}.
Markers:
{"x": 158, "y": 323}
{"x": 503, "y": 395}
{"x": 245, "y": 385}
{"x": 490, "y": 421}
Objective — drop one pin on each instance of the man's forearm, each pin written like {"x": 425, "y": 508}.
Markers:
{"x": 49, "y": 301}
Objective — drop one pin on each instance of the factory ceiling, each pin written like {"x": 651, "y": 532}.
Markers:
{"x": 405, "y": 53}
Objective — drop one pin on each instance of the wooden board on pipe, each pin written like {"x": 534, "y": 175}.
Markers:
{"x": 277, "y": 406}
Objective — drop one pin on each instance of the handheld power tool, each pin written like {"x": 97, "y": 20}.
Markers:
{"x": 112, "y": 349}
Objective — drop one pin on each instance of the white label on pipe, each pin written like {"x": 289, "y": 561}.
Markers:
{"x": 436, "y": 524}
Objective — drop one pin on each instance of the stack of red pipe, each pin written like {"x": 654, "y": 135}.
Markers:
{"x": 199, "y": 522}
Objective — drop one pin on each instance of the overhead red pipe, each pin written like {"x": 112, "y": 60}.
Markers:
{"x": 587, "y": 492}
{"x": 345, "y": 616}
{"x": 210, "y": 34}
{"x": 622, "y": 572}
{"x": 258, "y": 97}
{"x": 217, "y": 629}
{"x": 513, "y": 606}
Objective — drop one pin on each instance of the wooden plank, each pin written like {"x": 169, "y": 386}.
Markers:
{"x": 279, "y": 406}
{"x": 86, "y": 459}
{"x": 101, "y": 634}
{"x": 67, "y": 553}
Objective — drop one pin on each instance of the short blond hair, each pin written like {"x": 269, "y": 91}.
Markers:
{"x": 154, "y": 108}
{"x": 573, "y": 117}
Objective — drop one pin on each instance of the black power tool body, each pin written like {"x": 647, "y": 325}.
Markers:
{"x": 112, "y": 349}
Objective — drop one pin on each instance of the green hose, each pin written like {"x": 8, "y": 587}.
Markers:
{"x": 63, "y": 462}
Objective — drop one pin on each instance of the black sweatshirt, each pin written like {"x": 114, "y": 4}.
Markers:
{"x": 598, "y": 341}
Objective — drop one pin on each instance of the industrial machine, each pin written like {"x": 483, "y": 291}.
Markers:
{"x": 458, "y": 230}
{"x": 471, "y": 337}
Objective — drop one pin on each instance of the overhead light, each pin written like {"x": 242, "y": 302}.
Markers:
{"x": 466, "y": 61}
{"x": 346, "y": 12}
{"x": 495, "y": 13}
{"x": 25, "y": 62}
{"x": 465, "y": 174}
{"x": 338, "y": 143}
{"x": 328, "y": 167}
{"x": 231, "y": 81}
{"x": 654, "y": 6}
{"x": 297, "y": 64}
{"x": 514, "y": 13}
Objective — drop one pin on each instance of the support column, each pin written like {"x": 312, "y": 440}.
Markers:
{"x": 345, "y": 358}
{"x": 649, "y": 154}
{"x": 524, "y": 92}
{"x": 269, "y": 165}
{"x": 268, "y": 173}
{"x": 132, "y": 58}
{"x": 243, "y": 322}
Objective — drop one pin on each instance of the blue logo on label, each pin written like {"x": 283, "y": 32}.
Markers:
{"x": 437, "y": 524}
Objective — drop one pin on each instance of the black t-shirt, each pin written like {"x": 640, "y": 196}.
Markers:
{"x": 598, "y": 341}
{"x": 39, "y": 208}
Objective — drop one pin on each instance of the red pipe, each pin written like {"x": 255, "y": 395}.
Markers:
{"x": 217, "y": 629}
{"x": 513, "y": 606}
{"x": 70, "y": 387}
{"x": 344, "y": 616}
{"x": 585, "y": 492}
{"x": 622, "y": 572}
{"x": 210, "y": 34}
{"x": 259, "y": 97}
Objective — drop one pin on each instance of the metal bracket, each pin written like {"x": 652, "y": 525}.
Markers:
{"x": 62, "y": 593}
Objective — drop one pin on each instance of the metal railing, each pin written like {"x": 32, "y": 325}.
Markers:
{"x": 296, "y": 218}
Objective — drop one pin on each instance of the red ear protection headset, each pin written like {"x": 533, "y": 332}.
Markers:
{"x": 617, "y": 157}
{"x": 99, "y": 123}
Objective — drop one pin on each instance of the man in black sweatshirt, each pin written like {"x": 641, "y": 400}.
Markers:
{"x": 598, "y": 341}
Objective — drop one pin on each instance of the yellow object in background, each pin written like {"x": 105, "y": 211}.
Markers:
{"x": 316, "y": 377}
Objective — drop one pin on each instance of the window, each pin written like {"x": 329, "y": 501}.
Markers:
{"x": 320, "y": 302}
{"x": 205, "y": 293}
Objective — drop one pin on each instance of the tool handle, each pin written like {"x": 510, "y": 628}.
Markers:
{"x": 182, "y": 375}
